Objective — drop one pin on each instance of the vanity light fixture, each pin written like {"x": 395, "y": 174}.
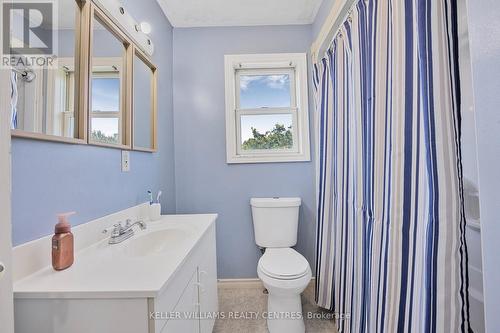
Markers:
{"x": 137, "y": 31}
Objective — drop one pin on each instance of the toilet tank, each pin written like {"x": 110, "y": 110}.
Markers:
{"x": 275, "y": 221}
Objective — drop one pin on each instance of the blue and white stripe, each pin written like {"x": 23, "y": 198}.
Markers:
{"x": 391, "y": 249}
{"x": 13, "y": 100}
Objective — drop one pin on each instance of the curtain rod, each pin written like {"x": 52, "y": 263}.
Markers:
{"x": 338, "y": 14}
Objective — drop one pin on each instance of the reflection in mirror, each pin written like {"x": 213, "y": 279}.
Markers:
{"x": 144, "y": 113}
{"x": 43, "y": 98}
{"x": 107, "y": 115}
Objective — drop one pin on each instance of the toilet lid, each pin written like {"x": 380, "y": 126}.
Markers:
{"x": 283, "y": 263}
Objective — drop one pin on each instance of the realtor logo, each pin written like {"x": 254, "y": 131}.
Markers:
{"x": 28, "y": 33}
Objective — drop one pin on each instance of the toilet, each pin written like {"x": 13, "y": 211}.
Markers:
{"x": 284, "y": 272}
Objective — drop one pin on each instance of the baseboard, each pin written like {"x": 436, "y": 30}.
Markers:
{"x": 240, "y": 283}
{"x": 246, "y": 283}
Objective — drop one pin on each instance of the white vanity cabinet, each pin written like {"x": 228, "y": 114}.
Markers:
{"x": 182, "y": 300}
{"x": 208, "y": 292}
{"x": 190, "y": 300}
{"x": 187, "y": 306}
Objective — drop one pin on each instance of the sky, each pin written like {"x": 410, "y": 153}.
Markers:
{"x": 260, "y": 91}
{"x": 105, "y": 97}
{"x": 105, "y": 94}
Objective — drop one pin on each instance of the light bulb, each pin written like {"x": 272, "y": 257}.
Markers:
{"x": 145, "y": 27}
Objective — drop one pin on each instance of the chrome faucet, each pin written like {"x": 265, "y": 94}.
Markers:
{"x": 121, "y": 233}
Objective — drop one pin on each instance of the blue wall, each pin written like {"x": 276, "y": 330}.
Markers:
{"x": 204, "y": 182}
{"x": 48, "y": 178}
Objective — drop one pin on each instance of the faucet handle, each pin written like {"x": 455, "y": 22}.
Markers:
{"x": 128, "y": 223}
{"x": 117, "y": 229}
{"x": 142, "y": 225}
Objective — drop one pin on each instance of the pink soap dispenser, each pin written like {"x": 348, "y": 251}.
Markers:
{"x": 62, "y": 243}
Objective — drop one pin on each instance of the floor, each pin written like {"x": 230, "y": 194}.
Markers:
{"x": 247, "y": 302}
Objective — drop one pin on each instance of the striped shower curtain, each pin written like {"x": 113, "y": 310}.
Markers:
{"x": 391, "y": 251}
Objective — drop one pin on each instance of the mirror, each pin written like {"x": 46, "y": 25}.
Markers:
{"x": 86, "y": 93}
{"x": 43, "y": 98}
{"x": 107, "y": 112}
{"x": 144, "y": 103}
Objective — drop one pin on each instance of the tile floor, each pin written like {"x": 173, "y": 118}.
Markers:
{"x": 252, "y": 299}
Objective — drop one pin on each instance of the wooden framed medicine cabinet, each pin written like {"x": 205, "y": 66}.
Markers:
{"x": 87, "y": 96}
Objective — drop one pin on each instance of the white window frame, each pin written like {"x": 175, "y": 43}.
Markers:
{"x": 294, "y": 64}
{"x": 61, "y": 98}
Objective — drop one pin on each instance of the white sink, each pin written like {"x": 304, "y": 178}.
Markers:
{"x": 140, "y": 265}
{"x": 156, "y": 242}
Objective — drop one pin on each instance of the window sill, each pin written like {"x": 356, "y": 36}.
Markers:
{"x": 45, "y": 137}
{"x": 109, "y": 145}
{"x": 241, "y": 159}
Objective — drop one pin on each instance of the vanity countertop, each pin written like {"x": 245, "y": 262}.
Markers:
{"x": 138, "y": 267}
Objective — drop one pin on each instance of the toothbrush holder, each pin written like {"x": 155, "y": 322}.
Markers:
{"x": 154, "y": 212}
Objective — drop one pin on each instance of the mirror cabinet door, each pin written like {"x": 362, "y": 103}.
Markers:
{"x": 44, "y": 98}
{"x": 144, "y": 103}
{"x": 108, "y": 116}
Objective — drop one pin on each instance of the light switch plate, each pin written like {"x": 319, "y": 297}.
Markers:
{"x": 125, "y": 161}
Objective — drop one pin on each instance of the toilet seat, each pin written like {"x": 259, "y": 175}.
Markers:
{"x": 283, "y": 264}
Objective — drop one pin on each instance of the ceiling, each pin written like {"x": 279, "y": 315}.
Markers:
{"x": 211, "y": 13}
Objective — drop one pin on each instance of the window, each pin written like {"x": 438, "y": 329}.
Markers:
{"x": 266, "y": 108}
{"x": 105, "y": 125}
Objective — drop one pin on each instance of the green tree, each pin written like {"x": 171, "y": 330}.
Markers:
{"x": 279, "y": 137}
{"x": 101, "y": 137}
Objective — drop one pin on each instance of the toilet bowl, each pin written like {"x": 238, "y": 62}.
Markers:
{"x": 285, "y": 274}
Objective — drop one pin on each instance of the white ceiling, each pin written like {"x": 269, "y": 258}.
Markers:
{"x": 209, "y": 13}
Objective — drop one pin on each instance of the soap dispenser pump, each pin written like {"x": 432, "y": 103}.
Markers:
{"x": 62, "y": 243}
